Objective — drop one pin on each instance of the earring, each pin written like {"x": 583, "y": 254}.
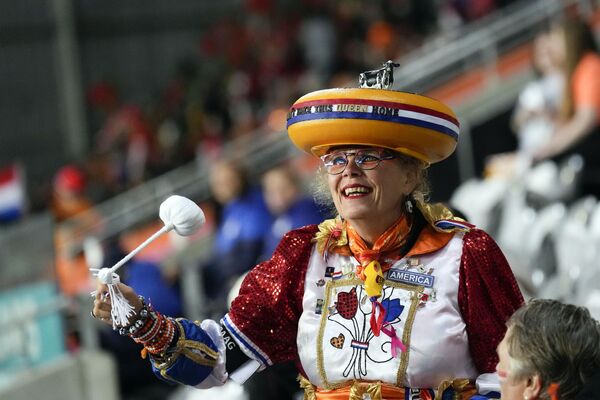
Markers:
{"x": 409, "y": 205}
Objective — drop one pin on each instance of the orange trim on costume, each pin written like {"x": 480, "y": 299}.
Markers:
{"x": 429, "y": 241}
{"x": 388, "y": 392}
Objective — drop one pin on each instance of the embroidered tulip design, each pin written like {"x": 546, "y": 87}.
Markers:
{"x": 393, "y": 309}
{"x": 347, "y": 304}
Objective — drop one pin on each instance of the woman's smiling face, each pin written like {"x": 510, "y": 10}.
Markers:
{"x": 372, "y": 196}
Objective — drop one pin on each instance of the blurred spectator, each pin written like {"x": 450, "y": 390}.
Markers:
{"x": 536, "y": 110}
{"x": 318, "y": 28}
{"x": 539, "y": 103}
{"x": 289, "y": 206}
{"x": 102, "y": 181}
{"x": 471, "y": 10}
{"x": 69, "y": 202}
{"x": 242, "y": 226}
{"x": 575, "y": 49}
{"x": 179, "y": 119}
{"x": 68, "y": 193}
{"x": 125, "y": 134}
{"x": 550, "y": 347}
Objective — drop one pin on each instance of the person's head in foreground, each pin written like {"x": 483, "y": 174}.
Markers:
{"x": 549, "y": 347}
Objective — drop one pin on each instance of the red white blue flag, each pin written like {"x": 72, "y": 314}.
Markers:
{"x": 12, "y": 193}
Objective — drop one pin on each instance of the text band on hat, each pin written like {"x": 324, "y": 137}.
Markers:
{"x": 374, "y": 110}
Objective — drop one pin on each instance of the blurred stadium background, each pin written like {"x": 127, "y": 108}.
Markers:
{"x": 125, "y": 103}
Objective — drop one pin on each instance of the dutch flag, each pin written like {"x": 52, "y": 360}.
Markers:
{"x": 12, "y": 193}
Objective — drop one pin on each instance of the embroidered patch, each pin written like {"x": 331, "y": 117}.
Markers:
{"x": 338, "y": 342}
{"x": 410, "y": 277}
{"x": 329, "y": 272}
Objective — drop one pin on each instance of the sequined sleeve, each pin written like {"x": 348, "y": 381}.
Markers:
{"x": 488, "y": 295}
{"x": 264, "y": 317}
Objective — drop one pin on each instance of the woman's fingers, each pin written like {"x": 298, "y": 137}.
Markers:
{"x": 102, "y": 301}
{"x": 101, "y": 310}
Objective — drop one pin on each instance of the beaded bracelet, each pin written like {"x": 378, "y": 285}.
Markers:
{"x": 159, "y": 343}
{"x": 137, "y": 324}
{"x": 151, "y": 329}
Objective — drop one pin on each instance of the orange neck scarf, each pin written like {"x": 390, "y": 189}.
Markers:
{"x": 386, "y": 245}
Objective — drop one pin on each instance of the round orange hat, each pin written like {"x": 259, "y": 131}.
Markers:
{"x": 418, "y": 126}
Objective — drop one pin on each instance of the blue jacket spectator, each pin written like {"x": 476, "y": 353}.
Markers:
{"x": 302, "y": 212}
{"x": 291, "y": 209}
{"x": 242, "y": 226}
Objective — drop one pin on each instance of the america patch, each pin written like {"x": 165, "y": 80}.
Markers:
{"x": 411, "y": 277}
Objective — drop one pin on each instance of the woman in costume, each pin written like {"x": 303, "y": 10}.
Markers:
{"x": 393, "y": 298}
{"x": 551, "y": 350}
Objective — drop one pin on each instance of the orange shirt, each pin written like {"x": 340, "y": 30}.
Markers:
{"x": 586, "y": 82}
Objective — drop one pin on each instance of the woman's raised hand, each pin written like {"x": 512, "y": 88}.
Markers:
{"x": 102, "y": 303}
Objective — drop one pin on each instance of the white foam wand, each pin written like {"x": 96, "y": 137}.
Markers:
{"x": 177, "y": 213}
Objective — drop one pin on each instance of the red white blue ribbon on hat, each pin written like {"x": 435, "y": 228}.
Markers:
{"x": 374, "y": 110}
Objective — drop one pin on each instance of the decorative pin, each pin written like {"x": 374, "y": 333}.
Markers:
{"x": 347, "y": 268}
{"x": 329, "y": 272}
{"x": 414, "y": 394}
{"x": 421, "y": 269}
{"x": 434, "y": 295}
{"x": 373, "y": 279}
{"x": 413, "y": 262}
{"x": 321, "y": 282}
{"x": 423, "y": 297}
{"x": 319, "y": 306}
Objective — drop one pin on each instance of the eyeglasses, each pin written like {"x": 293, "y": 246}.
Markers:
{"x": 335, "y": 163}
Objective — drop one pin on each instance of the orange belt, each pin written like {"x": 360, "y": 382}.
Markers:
{"x": 463, "y": 388}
